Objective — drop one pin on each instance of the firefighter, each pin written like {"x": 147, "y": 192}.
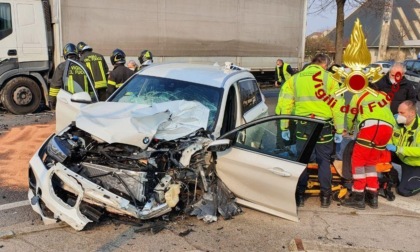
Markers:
{"x": 120, "y": 73}
{"x": 75, "y": 81}
{"x": 306, "y": 94}
{"x": 145, "y": 59}
{"x": 405, "y": 147}
{"x": 374, "y": 120}
{"x": 96, "y": 63}
{"x": 283, "y": 72}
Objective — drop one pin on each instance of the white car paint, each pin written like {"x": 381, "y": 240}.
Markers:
{"x": 211, "y": 76}
{"x": 385, "y": 66}
{"x": 131, "y": 123}
{"x": 275, "y": 177}
{"x": 259, "y": 180}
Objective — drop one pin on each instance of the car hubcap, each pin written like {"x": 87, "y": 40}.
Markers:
{"x": 22, "y": 96}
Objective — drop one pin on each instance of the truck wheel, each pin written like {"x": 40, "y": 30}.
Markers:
{"x": 21, "y": 95}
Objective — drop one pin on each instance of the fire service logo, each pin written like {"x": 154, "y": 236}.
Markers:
{"x": 356, "y": 76}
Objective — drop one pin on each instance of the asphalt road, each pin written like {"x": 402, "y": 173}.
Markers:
{"x": 392, "y": 227}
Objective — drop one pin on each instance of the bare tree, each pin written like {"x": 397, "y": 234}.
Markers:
{"x": 320, "y": 44}
{"x": 339, "y": 31}
{"x": 319, "y": 6}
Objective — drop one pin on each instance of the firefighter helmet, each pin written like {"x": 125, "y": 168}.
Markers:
{"x": 69, "y": 49}
{"x": 145, "y": 56}
{"x": 118, "y": 57}
{"x": 82, "y": 46}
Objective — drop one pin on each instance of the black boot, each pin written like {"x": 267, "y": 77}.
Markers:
{"x": 372, "y": 199}
{"x": 325, "y": 199}
{"x": 356, "y": 200}
{"x": 300, "y": 199}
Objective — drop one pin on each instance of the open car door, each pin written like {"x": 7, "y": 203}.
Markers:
{"x": 78, "y": 90}
{"x": 261, "y": 168}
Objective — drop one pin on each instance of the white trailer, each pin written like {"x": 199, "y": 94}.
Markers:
{"x": 248, "y": 33}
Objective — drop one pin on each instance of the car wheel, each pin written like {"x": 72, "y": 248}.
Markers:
{"x": 21, "y": 95}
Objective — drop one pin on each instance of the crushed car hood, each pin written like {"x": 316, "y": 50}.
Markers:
{"x": 136, "y": 124}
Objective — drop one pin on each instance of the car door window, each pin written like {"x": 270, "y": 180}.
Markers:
{"x": 416, "y": 67}
{"x": 77, "y": 79}
{"x": 250, "y": 94}
{"x": 230, "y": 112}
{"x": 266, "y": 138}
{"x": 409, "y": 65}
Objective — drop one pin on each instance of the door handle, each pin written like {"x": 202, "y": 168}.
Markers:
{"x": 280, "y": 172}
{"x": 12, "y": 52}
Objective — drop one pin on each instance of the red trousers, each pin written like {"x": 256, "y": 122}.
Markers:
{"x": 365, "y": 157}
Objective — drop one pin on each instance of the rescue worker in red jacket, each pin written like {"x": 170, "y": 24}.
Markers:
{"x": 311, "y": 93}
{"x": 375, "y": 122}
{"x": 96, "y": 63}
{"x": 120, "y": 74}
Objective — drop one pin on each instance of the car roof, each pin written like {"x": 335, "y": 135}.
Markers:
{"x": 215, "y": 76}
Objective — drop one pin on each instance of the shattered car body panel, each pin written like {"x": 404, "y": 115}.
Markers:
{"x": 78, "y": 179}
{"x": 133, "y": 124}
{"x": 144, "y": 152}
{"x": 77, "y": 171}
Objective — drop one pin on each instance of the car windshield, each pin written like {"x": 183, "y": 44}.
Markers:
{"x": 147, "y": 90}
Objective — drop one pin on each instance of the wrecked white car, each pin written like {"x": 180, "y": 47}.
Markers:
{"x": 150, "y": 149}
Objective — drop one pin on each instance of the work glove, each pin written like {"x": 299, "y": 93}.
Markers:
{"x": 285, "y": 134}
{"x": 391, "y": 147}
{"x": 338, "y": 138}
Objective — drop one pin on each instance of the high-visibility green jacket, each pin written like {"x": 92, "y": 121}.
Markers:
{"x": 407, "y": 140}
{"x": 280, "y": 102}
{"x": 364, "y": 106}
{"x": 286, "y": 73}
{"x": 311, "y": 92}
{"x": 97, "y": 66}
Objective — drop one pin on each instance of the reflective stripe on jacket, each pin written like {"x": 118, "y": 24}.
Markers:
{"x": 407, "y": 140}
{"x": 97, "y": 66}
{"x": 311, "y": 92}
{"x": 367, "y": 106}
{"x": 286, "y": 74}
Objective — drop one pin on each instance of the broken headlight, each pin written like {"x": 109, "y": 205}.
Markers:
{"x": 58, "y": 149}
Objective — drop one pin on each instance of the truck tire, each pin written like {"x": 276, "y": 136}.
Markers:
{"x": 21, "y": 95}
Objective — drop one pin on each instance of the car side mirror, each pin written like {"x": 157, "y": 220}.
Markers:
{"x": 219, "y": 145}
{"x": 81, "y": 97}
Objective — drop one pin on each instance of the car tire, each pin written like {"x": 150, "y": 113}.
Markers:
{"x": 21, "y": 95}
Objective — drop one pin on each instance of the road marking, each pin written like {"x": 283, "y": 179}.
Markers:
{"x": 14, "y": 205}
{"x": 403, "y": 203}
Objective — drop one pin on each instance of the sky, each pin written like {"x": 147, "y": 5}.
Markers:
{"x": 325, "y": 20}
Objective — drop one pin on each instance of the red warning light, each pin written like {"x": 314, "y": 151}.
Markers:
{"x": 357, "y": 82}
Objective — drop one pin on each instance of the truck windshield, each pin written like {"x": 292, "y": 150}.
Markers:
{"x": 147, "y": 90}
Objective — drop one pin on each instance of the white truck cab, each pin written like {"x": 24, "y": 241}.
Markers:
{"x": 25, "y": 54}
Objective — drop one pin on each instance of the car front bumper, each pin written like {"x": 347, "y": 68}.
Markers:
{"x": 52, "y": 208}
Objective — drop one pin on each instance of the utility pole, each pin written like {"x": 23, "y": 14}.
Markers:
{"x": 386, "y": 23}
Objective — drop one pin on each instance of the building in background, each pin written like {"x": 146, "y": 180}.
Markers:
{"x": 392, "y": 29}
